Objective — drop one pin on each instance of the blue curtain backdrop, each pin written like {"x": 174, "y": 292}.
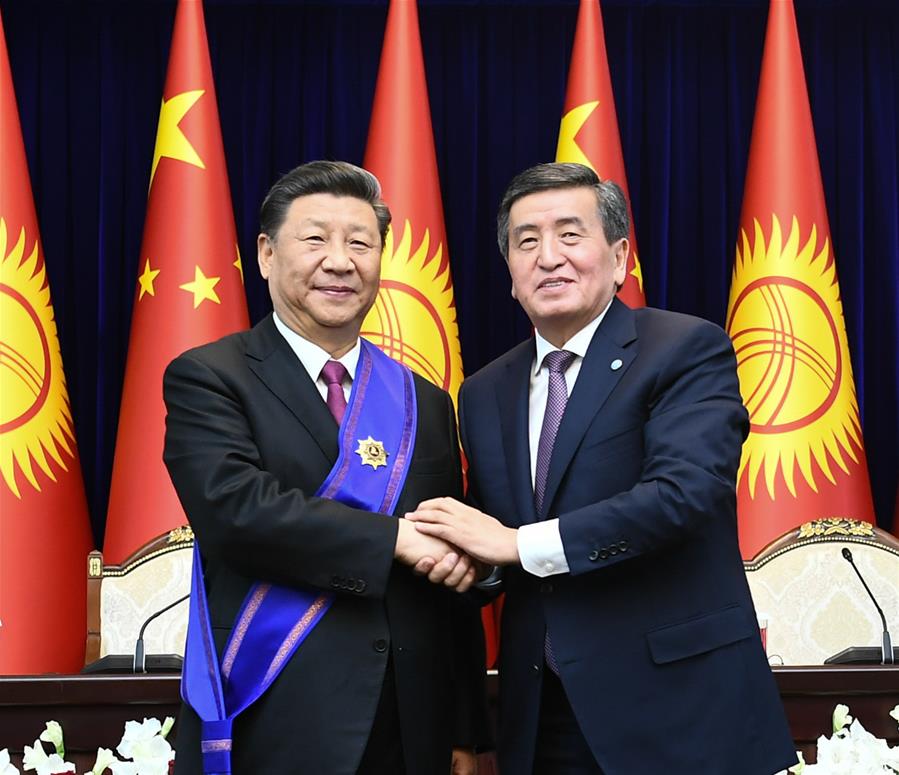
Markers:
{"x": 295, "y": 82}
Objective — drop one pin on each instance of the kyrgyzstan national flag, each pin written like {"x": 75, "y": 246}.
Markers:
{"x": 44, "y": 527}
{"x": 804, "y": 459}
{"x": 414, "y": 317}
{"x": 589, "y": 131}
{"x": 189, "y": 286}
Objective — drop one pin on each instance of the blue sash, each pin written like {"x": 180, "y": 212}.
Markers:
{"x": 381, "y": 419}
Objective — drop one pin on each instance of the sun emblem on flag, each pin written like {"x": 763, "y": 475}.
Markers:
{"x": 786, "y": 322}
{"x": 35, "y": 417}
{"x": 413, "y": 319}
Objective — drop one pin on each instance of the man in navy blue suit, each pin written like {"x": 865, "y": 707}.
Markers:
{"x": 603, "y": 456}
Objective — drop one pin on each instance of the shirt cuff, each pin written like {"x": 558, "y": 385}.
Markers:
{"x": 540, "y": 548}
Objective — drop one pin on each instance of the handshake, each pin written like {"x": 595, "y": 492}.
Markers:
{"x": 453, "y": 544}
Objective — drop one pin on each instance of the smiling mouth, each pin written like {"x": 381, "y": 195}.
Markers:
{"x": 552, "y": 283}
{"x": 335, "y": 290}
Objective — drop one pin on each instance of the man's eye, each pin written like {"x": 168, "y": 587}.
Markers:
{"x": 527, "y": 242}
{"x": 360, "y": 245}
{"x": 314, "y": 239}
{"x": 570, "y": 235}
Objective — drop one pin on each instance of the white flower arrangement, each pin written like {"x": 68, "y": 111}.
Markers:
{"x": 851, "y": 750}
{"x": 143, "y": 743}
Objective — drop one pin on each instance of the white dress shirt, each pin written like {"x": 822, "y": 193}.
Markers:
{"x": 540, "y": 543}
{"x": 314, "y": 358}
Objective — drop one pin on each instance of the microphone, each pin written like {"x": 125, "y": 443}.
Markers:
{"x": 886, "y": 645}
{"x": 140, "y": 659}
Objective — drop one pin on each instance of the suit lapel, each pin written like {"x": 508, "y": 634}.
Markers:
{"x": 512, "y": 399}
{"x": 612, "y": 342}
{"x": 272, "y": 360}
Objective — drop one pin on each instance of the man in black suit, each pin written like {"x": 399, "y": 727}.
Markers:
{"x": 261, "y": 438}
{"x": 606, "y": 450}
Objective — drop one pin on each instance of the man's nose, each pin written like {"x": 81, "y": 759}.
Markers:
{"x": 549, "y": 256}
{"x": 338, "y": 257}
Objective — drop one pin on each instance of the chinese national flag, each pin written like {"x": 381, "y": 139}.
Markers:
{"x": 414, "y": 317}
{"x": 589, "y": 131}
{"x": 804, "y": 459}
{"x": 189, "y": 287}
{"x": 44, "y": 526}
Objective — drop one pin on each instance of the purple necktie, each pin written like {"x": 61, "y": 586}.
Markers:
{"x": 333, "y": 373}
{"x": 557, "y": 362}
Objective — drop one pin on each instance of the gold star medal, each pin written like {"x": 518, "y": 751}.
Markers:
{"x": 372, "y": 453}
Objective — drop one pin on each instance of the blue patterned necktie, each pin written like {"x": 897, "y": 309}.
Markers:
{"x": 557, "y": 362}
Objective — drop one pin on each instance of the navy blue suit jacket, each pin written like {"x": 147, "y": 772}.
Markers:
{"x": 653, "y": 627}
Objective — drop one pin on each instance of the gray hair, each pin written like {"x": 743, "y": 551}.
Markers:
{"x": 610, "y": 201}
{"x": 339, "y": 178}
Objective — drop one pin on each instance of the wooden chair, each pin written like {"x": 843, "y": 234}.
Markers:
{"x": 812, "y": 599}
{"x": 120, "y": 598}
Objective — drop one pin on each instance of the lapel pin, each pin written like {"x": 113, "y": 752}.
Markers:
{"x": 616, "y": 364}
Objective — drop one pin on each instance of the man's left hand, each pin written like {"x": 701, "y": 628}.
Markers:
{"x": 465, "y": 762}
{"x": 478, "y": 534}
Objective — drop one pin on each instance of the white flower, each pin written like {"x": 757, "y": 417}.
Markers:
{"x": 53, "y": 734}
{"x": 36, "y": 758}
{"x": 170, "y": 722}
{"x": 894, "y": 713}
{"x": 124, "y": 768}
{"x": 105, "y": 757}
{"x": 841, "y": 717}
{"x": 5, "y": 767}
{"x": 799, "y": 767}
{"x": 142, "y": 743}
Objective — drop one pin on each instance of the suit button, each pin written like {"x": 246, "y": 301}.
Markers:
{"x": 603, "y": 554}
{"x": 335, "y": 582}
{"x": 613, "y": 550}
{"x": 547, "y": 588}
{"x": 594, "y": 556}
{"x": 360, "y": 586}
{"x": 622, "y": 545}
{"x": 380, "y": 645}
{"x": 535, "y": 668}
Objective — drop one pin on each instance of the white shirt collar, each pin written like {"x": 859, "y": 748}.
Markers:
{"x": 577, "y": 344}
{"x": 314, "y": 357}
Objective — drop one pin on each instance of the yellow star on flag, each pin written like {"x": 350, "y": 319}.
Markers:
{"x": 637, "y": 272}
{"x": 146, "y": 280}
{"x": 170, "y": 140}
{"x": 568, "y": 150}
{"x": 238, "y": 263}
{"x": 202, "y": 287}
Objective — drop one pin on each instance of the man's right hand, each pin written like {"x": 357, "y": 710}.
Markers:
{"x": 441, "y": 562}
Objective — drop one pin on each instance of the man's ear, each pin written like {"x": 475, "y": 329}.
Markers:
{"x": 265, "y": 249}
{"x": 621, "y": 251}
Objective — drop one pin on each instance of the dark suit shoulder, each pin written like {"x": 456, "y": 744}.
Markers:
{"x": 668, "y": 325}
{"x": 496, "y": 369}
{"x": 221, "y": 349}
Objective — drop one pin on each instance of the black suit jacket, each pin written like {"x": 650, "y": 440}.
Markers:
{"x": 653, "y": 628}
{"x": 248, "y": 441}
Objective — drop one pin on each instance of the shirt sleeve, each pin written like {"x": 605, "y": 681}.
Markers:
{"x": 540, "y": 548}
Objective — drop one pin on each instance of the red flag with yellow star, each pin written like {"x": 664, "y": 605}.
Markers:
{"x": 589, "y": 131}
{"x": 189, "y": 287}
{"x": 44, "y": 527}
{"x": 804, "y": 459}
{"x": 414, "y": 317}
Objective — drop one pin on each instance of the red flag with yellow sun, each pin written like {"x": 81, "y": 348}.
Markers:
{"x": 189, "y": 286}
{"x": 44, "y": 527}
{"x": 414, "y": 317}
{"x": 804, "y": 459}
{"x": 589, "y": 132}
